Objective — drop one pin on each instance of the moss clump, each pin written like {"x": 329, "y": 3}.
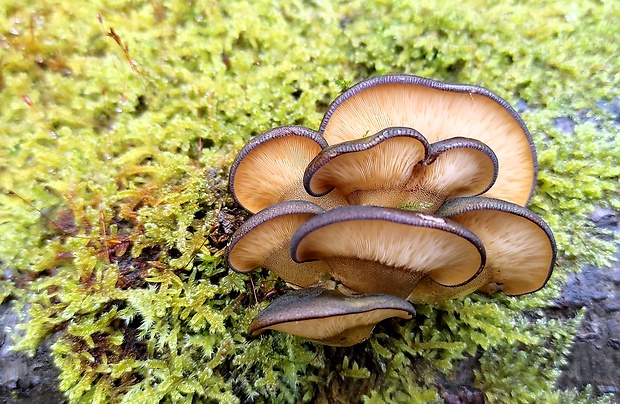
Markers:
{"x": 124, "y": 142}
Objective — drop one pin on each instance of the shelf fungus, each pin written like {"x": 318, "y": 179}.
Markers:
{"x": 398, "y": 167}
{"x": 328, "y": 316}
{"x": 410, "y": 189}
{"x": 520, "y": 249}
{"x": 440, "y": 111}
{"x": 269, "y": 169}
{"x": 264, "y": 239}
{"x": 371, "y": 249}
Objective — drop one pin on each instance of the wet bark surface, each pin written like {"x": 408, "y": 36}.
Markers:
{"x": 25, "y": 379}
{"x": 595, "y": 355}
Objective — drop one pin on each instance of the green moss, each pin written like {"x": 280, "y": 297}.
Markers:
{"x": 129, "y": 160}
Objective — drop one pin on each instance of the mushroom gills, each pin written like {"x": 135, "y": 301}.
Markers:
{"x": 328, "y": 316}
{"x": 455, "y": 167}
{"x": 263, "y": 241}
{"x": 373, "y": 169}
{"x": 372, "y": 249}
{"x": 269, "y": 169}
{"x": 398, "y": 168}
{"x": 520, "y": 246}
{"x": 440, "y": 111}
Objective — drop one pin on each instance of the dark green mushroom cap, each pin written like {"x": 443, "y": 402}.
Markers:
{"x": 328, "y": 316}
{"x": 269, "y": 169}
{"x": 440, "y": 111}
{"x": 371, "y": 249}
{"x": 520, "y": 248}
{"x": 263, "y": 241}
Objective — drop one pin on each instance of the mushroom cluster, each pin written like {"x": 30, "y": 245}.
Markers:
{"x": 411, "y": 191}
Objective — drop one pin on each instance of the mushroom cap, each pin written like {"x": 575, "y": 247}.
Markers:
{"x": 269, "y": 168}
{"x": 328, "y": 316}
{"x": 398, "y": 168}
{"x": 372, "y": 249}
{"x": 380, "y": 165}
{"x": 263, "y": 241}
{"x": 440, "y": 111}
{"x": 454, "y": 167}
{"x": 520, "y": 246}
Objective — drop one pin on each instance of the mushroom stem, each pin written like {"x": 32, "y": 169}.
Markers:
{"x": 355, "y": 273}
{"x": 294, "y": 274}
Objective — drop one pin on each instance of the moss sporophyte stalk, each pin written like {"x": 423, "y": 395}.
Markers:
{"x": 120, "y": 125}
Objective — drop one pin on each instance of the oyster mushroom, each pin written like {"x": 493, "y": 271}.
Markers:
{"x": 454, "y": 167}
{"x": 328, "y": 316}
{"x": 520, "y": 249}
{"x": 370, "y": 170}
{"x": 440, "y": 111}
{"x": 397, "y": 168}
{"x": 269, "y": 169}
{"x": 370, "y": 249}
{"x": 263, "y": 241}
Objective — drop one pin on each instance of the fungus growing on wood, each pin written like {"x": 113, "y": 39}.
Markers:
{"x": 520, "y": 249}
{"x": 372, "y": 249}
{"x": 440, "y": 111}
{"x": 397, "y": 167}
{"x": 370, "y": 170}
{"x": 263, "y": 241}
{"x": 269, "y": 169}
{"x": 454, "y": 167}
{"x": 328, "y": 316}
{"x": 455, "y": 160}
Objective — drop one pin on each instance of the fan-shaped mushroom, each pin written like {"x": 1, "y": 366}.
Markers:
{"x": 396, "y": 168}
{"x": 370, "y": 249}
{"x": 440, "y": 111}
{"x": 371, "y": 170}
{"x": 269, "y": 169}
{"x": 328, "y": 316}
{"x": 520, "y": 249}
{"x": 263, "y": 241}
{"x": 454, "y": 167}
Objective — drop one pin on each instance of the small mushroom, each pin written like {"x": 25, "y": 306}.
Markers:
{"x": 397, "y": 168}
{"x": 455, "y": 167}
{"x": 369, "y": 171}
{"x": 440, "y": 111}
{"x": 328, "y": 316}
{"x": 263, "y": 241}
{"x": 520, "y": 249}
{"x": 371, "y": 249}
{"x": 269, "y": 169}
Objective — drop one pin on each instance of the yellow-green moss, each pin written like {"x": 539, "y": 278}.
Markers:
{"x": 127, "y": 151}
